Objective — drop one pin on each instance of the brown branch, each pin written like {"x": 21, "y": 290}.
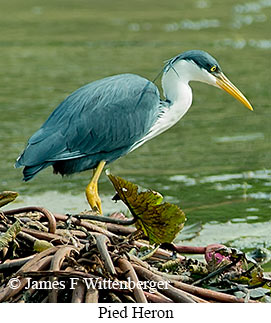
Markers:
{"x": 28, "y": 237}
{"x": 36, "y": 258}
{"x": 105, "y": 219}
{"x": 189, "y": 249}
{"x": 207, "y": 293}
{"x": 154, "y": 298}
{"x": 46, "y": 236}
{"x": 60, "y": 273}
{"x": 21, "y": 298}
{"x": 173, "y": 293}
{"x": 42, "y": 210}
{"x": 101, "y": 241}
{"x": 113, "y": 298}
{"x": 55, "y": 266}
{"x": 161, "y": 253}
{"x": 119, "y": 229}
{"x": 92, "y": 295}
{"x": 166, "y": 276}
{"x": 78, "y": 292}
{"x": 8, "y": 292}
{"x": 89, "y": 226}
{"x": 216, "y": 272}
{"x": 14, "y": 263}
{"x": 129, "y": 271}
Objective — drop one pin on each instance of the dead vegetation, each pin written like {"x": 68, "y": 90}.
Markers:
{"x": 47, "y": 257}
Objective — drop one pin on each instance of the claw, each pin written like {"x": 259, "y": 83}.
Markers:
{"x": 92, "y": 189}
{"x": 93, "y": 197}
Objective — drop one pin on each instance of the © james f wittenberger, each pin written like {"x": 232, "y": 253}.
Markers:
{"x": 97, "y": 283}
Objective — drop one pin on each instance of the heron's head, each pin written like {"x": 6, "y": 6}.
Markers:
{"x": 197, "y": 65}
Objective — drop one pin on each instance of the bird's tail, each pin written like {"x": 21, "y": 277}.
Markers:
{"x": 30, "y": 171}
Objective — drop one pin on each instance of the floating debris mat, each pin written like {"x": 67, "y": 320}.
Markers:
{"x": 46, "y": 257}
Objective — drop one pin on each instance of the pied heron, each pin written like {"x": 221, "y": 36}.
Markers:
{"x": 108, "y": 118}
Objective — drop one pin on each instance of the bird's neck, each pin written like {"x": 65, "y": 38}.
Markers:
{"x": 176, "y": 89}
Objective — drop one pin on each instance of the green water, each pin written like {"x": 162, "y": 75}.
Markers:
{"x": 48, "y": 49}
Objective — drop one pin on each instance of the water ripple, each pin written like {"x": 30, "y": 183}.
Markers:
{"x": 242, "y": 43}
{"x": 258, "y": 174}
{"x": 247, "y": 137}
{"x": 250, "y": 12}
{"x": 232, "y": 187}
{"x": 192, "y": 25}
{"x": 252, "y": 6}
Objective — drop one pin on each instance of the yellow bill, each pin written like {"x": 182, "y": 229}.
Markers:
{"x": 224, "y": 83}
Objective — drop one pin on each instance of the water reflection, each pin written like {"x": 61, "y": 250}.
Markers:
{"x": 183, "y": 178}
{"x": 245, "y": 20}
{"x": 247, "y": 137}
{"x": 192, "y": 25}
{"x": 242, "y": 18}
{"x": 232, "y": 187}
{"x": 257, "y": 174}
{"x": 252, "y": 6}
{"x": 243, "y": 43}
{"x": 236, "y": 233}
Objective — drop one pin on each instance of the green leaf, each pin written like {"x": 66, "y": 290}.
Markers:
{"x": 7, "y": 197}
{"x": 258, "y": 292}
{"x": 161, "y": 222}
{"x": 41, "y": 245}
{"x": 10, "y": 235}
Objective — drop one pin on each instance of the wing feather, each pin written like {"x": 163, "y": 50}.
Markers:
{"x": 102, "y": 116}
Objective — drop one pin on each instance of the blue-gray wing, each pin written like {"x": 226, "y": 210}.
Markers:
{"x": 103, "y": 116}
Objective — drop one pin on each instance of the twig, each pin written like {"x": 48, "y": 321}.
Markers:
{"x": 119, "y": 229}
{"x": 45, "y": 300}
{"x": 56, "y": 265}
{"x": 216, "y": 272}
{"x": 161, "y": 253}
{"x": 42, "y": 210}
{"x": 46, "y": 236}
{"x": 23, "y": 298}
{"x": 89, "y": 226}
{"x": 35, "y": 259}
{"x": 8, "y": 292}
{"x": 113, "y": 298}
{"x": 207, "y": 293}
{"x": 78, "y": 293}
{"x": 166, "y": 276}
{"x": 105, "y": 219}
{"x": 189, "y": 249}
{"x": 175, "y": 294}
{"x": 61, "y": 273}
{"x": 149, "y": 254}
{"x": 154, "y": 298}
{"x": 92, "y": 295}
{"x": 14, "y": 263}
{"x": 26, "y": 236}
{"x": 102, "y": 241}
{"x": 129, "y": 271}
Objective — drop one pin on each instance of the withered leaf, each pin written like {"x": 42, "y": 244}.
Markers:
{"x": 161, "y": 222}
{"x": 10, "y": 235}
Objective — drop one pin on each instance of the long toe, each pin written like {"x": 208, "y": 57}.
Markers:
{"x": 93, "y": 198}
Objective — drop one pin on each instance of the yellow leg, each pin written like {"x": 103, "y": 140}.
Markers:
{"x": 92, "y": 189}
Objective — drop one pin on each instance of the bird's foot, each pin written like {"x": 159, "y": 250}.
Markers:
{"x": 93, "y": 197}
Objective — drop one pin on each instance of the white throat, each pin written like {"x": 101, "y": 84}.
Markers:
{"x": 177, "y": 91}
{"x": 175, "y": 83}
{"x": 177, "y": 77}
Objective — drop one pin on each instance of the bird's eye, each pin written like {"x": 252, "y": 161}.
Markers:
{"x": 213, "y": 68}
